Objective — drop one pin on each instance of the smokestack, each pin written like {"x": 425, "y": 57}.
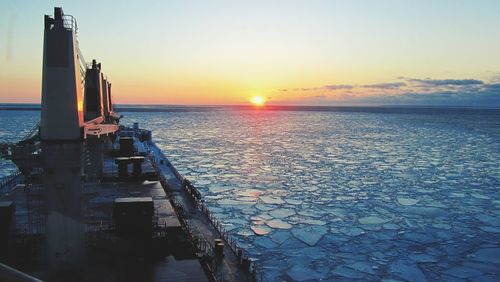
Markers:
{"x": 110, "y": 97}
{"x": 105, "y": 96}
{"x": 62, "y": 104}
{"x": 93, "y": 92}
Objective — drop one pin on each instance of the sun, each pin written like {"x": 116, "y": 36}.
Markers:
{"x": 257, "y": 101}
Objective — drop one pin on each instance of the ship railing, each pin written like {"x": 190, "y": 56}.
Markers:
{"x": 255, "y": 268}
{"x": 159, "y": 228}
{"x": 147, "y": 148}
{"x": 83, "y": 62}
{"x": 83, "y": 72}
{"x": 83, "y": 65}
{"x": 69, "y": 22}
{"x": 31, "y": 133}
{"x": 8, "y": 273}
{"x": 200, "y": 243}
{"x": 100, "y": 230}
{"x": 10, "y": 180}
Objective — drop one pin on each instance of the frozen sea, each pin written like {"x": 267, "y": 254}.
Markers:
{"x": 340, "y": 194}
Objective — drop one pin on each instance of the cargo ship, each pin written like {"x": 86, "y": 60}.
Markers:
{"x": 94, "y": 200}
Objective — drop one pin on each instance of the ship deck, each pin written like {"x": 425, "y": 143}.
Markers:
{"x": 184, "y": 242}
{"x": 231, "y": 268}
{"x": 108, "y": 258}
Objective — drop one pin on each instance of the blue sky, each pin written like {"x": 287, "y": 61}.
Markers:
{"x": 225, "y": 52}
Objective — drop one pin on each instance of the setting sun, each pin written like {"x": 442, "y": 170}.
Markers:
{"x": 257, "y": 101}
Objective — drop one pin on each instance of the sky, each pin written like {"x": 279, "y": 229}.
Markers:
{"x": 290, "y": 52}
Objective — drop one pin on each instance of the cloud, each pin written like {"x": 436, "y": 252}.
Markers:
{"x": 446, "y": 98}
{"x": 320, "y": 96}
{"x": 329, "y": 87}
{"x": 446, "y": 82}
{"x": 483, "y": 98}
{"x": 495, "y": 78}
{"x": 337, "y": 86}
{"x": 386, "y": 85}
{"x": 301, "y": 89}
{"x": 493, "y": 87}
{"x": 409, "y": 91}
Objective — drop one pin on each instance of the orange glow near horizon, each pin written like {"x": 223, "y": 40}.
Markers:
{"x": 285, "y": 52}
{"x": 257, "y": 101}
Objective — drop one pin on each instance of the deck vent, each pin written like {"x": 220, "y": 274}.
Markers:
{"x": 7, "y": 226}
{"x": 122, "y": 163}
{"x": 126, "y": 146}
{"x": 137, "y": 166}
{"x": 133, "y": 217}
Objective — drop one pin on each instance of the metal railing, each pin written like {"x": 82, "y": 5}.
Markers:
{"x": 31, "y": 132}
{"x": 199, "y": 242}
{"x": 255, "y": 268}
{"x": 10, "y": 180}
{"x": 8, "y": 273}
{"x": 69, "y": 22}
{"x": 83, "y": 64}
{"x": 196, "y": 237}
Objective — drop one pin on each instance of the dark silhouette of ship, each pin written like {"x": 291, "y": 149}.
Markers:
{"x": 97, "y": 201}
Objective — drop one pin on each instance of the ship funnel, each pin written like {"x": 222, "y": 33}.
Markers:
{"x": 105, "y": 96}
{"x": 110, "y": 97}
{"x": 93, "y": 102}
{"x": 62, "y": 104}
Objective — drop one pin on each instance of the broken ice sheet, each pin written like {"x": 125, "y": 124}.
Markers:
{"x": 310, "y": 234}
{"x": 278, "y": 223}
{"x": 281, "y": 212}
{"x": 354, "y": 231}
{"x": 271, "y": 200}
{"x": 406, "y": 201}
{"x": 303, "y": 273}
{"x": 260, "y": 229}
{"x": 491, "y": 255}
{"x": 408, "y": 271}
{"x": 425, "y": 174}
{"x": 372, "y": 220}
{"x": 347, "y": 272}
{"x": 364, "y": 266}
{"x": 265, "y": 242}
{"x": 463, "y": 272}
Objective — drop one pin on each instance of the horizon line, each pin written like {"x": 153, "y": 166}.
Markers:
{"x": 11, "y": 106}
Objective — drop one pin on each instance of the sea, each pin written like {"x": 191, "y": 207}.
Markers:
{"x": 336, "y": 193}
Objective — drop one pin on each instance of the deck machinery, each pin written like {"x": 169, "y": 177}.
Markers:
{"x": 90, "y": 207}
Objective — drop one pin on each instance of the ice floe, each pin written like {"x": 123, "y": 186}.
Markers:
{"x": 407, "y": 201}
{"x": 488, "y": 255}
{"x": 372, "y": 220}
{"x": 260, "y": 229}
{"x": 310, "y": 234}
{"x": 282, "y": 212}
{"x": 279, "y": 224}
{"x": 408, "y": 271}
{"x": 303, "y": 273}
{"x": 463, "y": 272}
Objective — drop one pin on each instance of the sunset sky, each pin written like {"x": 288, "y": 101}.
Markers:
{"x": 425, "y": 52}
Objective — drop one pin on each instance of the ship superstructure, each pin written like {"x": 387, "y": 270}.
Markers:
{"x": 89, "y": 205}
{"x": 98, "y": 201}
